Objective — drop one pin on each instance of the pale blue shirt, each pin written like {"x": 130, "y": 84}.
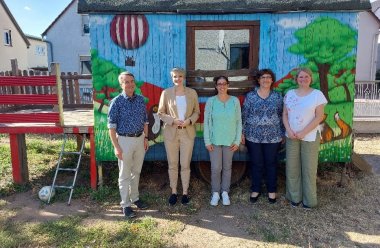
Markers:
{"x": 222, "y": 122}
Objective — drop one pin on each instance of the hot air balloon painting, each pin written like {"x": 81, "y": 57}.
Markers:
{"x": 129, "y": 31}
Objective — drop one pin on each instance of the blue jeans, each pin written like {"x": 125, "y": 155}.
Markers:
{"x": 263, "y": 158}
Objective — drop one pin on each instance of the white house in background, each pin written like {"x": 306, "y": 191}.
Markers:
{"x": 37, "y": 53}
{"x": 367, "y": 58}
{"x": 14, "y": 44}
{"x": 69, "y": 41}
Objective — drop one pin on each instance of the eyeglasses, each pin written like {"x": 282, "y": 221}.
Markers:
{"x": 266, "y": 77}
{"x": 221, "y": 84}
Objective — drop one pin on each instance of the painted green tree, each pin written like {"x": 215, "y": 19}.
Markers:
{"x": 104, "y": 77}
{"x": 327, "y": 44}
{"x": 329, "y": 48}
{"x": 105, "y": 80}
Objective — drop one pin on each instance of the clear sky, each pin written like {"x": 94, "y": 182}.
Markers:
{"x": 35, "y": 16}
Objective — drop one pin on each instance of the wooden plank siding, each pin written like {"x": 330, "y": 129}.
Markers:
{"x": 168, "y": 45}
{"x": 198, "y": 80}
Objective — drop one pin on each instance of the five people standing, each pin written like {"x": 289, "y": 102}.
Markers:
{"x": 222, "y": 134}
{"x": 260, "y": 125}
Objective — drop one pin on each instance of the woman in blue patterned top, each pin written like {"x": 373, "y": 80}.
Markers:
{"x": 222, "y": 135}
{"x": 262, "y": 133}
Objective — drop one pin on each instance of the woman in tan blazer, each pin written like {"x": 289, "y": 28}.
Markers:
{"x": 179, "y": 110}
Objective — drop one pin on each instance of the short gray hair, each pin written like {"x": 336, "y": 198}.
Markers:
{"x": 127, "y": 73}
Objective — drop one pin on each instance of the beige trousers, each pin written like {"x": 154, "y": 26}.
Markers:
{"x": 179, "y": 149}
{"x": 130, "y": 168}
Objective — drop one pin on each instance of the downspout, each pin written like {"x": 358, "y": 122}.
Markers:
{"x": 374, "y": 56}
{"x": 51, "y": 51}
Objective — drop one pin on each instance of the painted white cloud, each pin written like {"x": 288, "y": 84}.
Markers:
{"x": 99, "y": 20}
{"x": 27, "y": 8}
{"x": 293, "y": 23}
{"x": 165, "y": 26}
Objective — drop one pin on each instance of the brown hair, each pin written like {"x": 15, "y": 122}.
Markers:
{"x": 216, "y": 79}
{"x": 263, "y": 72}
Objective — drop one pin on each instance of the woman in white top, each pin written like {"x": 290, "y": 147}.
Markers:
{"x": 179, "y": 110}
{"x": 303, "y": 111}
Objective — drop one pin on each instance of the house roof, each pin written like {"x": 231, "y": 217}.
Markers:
{"x": 58, "y": 17}
{"x": 15, "y": 23}
{"x": 218, "y": 6}
{"x": 32, "y": 37}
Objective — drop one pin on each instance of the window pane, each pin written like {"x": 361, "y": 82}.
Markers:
{"x": 215, "y": 46}
{"x": 86, "y": 24}
{"x": 86, "y": 67}
{"x": 239, "y": 56}
{"x": 7, "y": 38}
{"x": 86, "y": 29}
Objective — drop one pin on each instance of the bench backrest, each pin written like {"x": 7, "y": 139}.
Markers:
{"x": 33, "y": 93}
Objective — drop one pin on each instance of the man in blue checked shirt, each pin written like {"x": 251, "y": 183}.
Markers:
{"x": 128, "y": 129}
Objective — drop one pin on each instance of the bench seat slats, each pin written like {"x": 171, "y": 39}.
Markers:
{"x": 29, "y": 99}
{"x": 29, "y": 118}
{"x": 28, "y": 81}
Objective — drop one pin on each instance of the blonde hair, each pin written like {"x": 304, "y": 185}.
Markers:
{"x": 304, "y": 69}
{"x": 178, "y": 70}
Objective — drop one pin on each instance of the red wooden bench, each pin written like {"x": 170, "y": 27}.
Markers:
{"x": 42, "y": 97}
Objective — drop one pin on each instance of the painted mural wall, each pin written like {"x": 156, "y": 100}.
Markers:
{"x": 150, "y": 45}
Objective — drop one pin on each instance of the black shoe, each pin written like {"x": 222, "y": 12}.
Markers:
{"x": 185, "y": 200}
{"x": 173, "y": 199}
{"x": 294, "y": 204}
{"x": 272, "y": 200}
{"x": 129, "y": 213}
{"x": 254, "y": 199}
{"x": 306, "y": 207}
{"x": 140, "y": 205}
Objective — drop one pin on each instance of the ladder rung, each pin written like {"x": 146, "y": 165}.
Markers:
{"x": 67, "y": 169}
{"x": 63, "y": 187}
{"x": 77, "y": 153}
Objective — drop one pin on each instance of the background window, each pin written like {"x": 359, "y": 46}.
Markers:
{"x": 85, "y": 64}
{"x": 85, "y": 24}
{"x": 7, "y": 38}
{"x": 40, "y": 50}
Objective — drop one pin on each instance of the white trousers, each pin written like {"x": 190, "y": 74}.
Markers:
{"x": 130, "y": 168}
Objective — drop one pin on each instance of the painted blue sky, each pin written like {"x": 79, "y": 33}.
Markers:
{"x": 35, "y": 16}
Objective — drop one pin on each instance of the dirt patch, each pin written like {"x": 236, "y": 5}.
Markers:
{"x": 28, "y": 208}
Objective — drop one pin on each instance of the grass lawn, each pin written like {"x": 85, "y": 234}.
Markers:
{"x": 348, "y": 214}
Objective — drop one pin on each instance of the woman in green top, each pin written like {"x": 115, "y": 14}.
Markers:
{"x": 222, "y": 135}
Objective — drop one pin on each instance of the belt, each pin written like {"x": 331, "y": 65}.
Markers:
{"x": 132, "y": 134}
{"x": 179, "y": 127}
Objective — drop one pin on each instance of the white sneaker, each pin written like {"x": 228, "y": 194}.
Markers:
{"x": 226, "y": 198}
{"x": 215, "y": 199}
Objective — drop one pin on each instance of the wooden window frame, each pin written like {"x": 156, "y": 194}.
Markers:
{"x": 236, "y": 88}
